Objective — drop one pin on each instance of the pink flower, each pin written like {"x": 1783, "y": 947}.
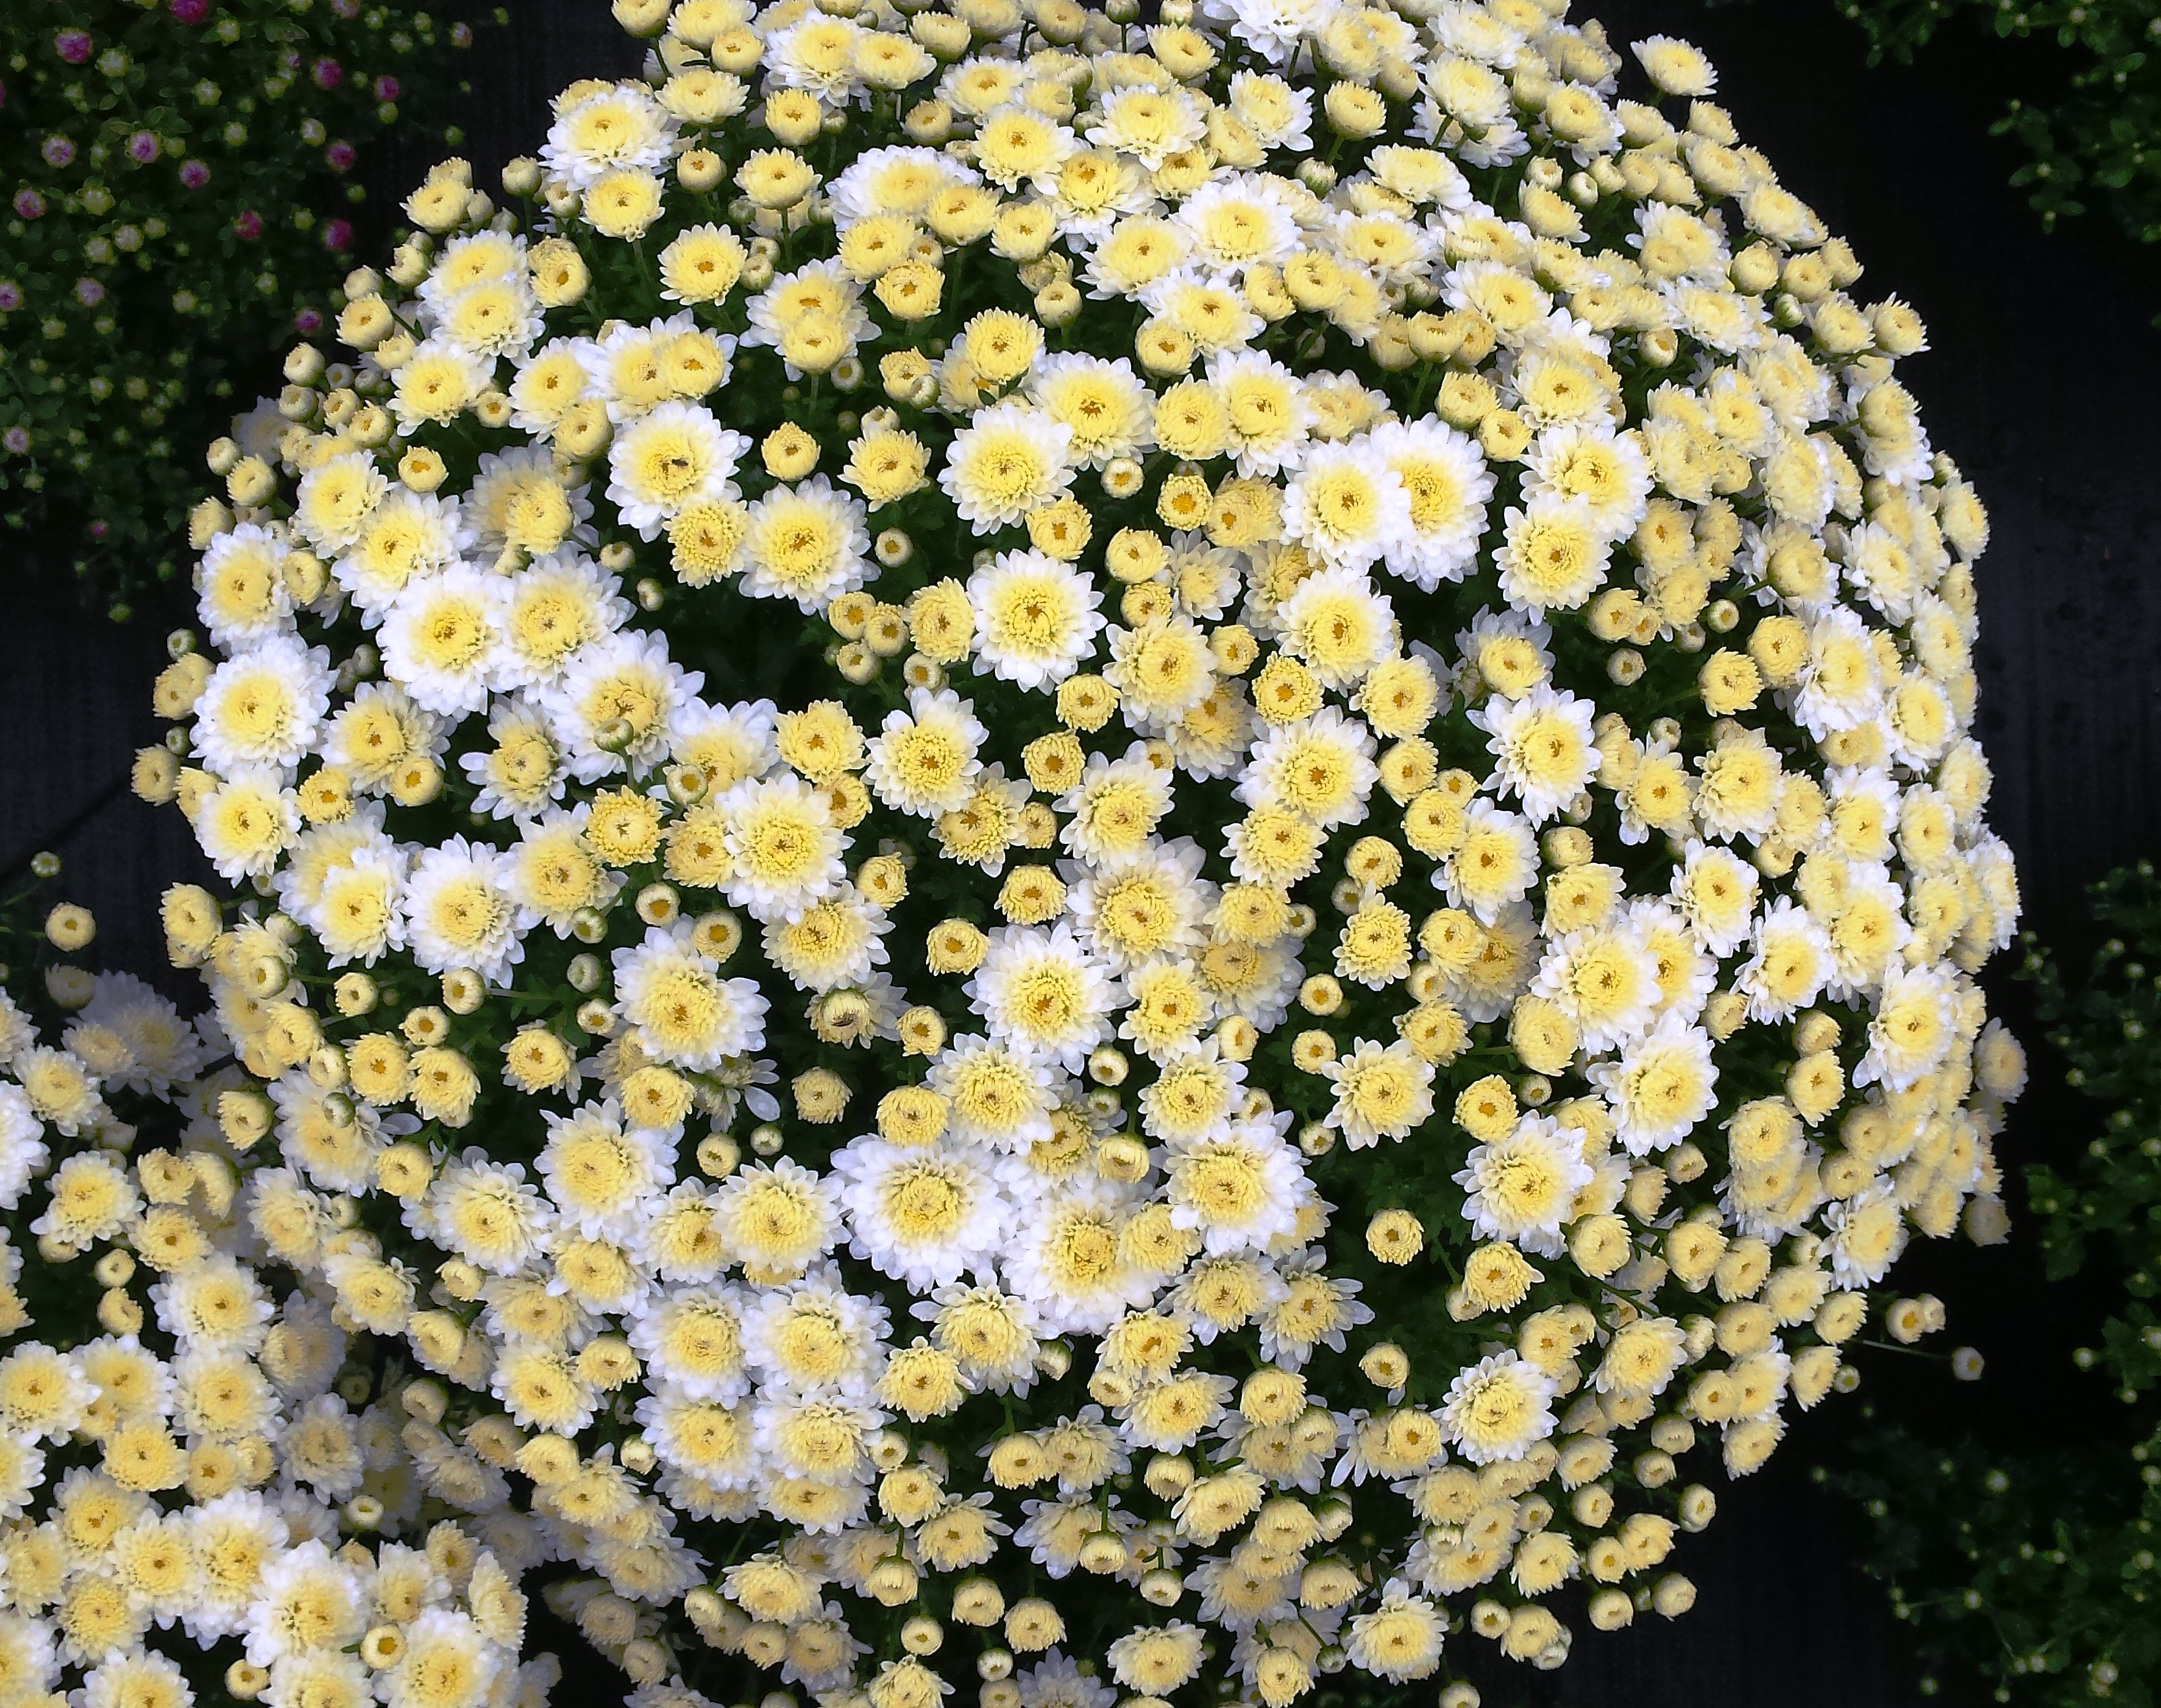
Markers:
{"x": 337, "y": 237}
{"x": 100, "y": 530}
{"x": 327, "y": 73}
{"x": 339, "y": 156}
{"x": 11, "y": 296}
{"x": 89, "y": 292}
{"x": 58, "y": 151}
{"x": 16, "y": 441}
{"x": 248, "y": 226}
{"x": 193, "y": 174}
{"x": 29, "y": 205}
{"x": 308, "y": 321}
{"x": 73, "y": 46}
{"x": 142, "y": 146}
{"x": 387, "y": 88}
{"x": 190, "y": 11}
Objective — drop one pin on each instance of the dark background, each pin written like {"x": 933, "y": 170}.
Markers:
{"x": 2041, "y": 381}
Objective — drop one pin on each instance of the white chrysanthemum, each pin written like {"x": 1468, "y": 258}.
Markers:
{"x": 459, "y": 912}
{"x": 812, "y": 1336}
{"x": 1240, "y": 1188}
{"x": 923, "y": 1215}
{"x": 1320, "y": 767}
{"x": 893, "y": 179}
{"x": 998, "y": 1095}
{"x": 1044, "y": 994}
{"x": 240, "y": 584}
{"x": 601, "y": 1173}
{"x": 1543, "y": 747}
{"x": 691, "y": 1339}
{"x": 684, "y": 1012}
{"x": 1913, "y": 1030}
{"x": 1498, "y": 1410}
{"x": 1381, "y": 1091}
{"x": 442, "y": 640}
{"x": 1337, "y": 626}
{"x": 607, "y": 128}
{"x": 1399, "y": 1638}
{"x": 1148, "y": 124}
{"x": 1036, "y": 618}
{"x": 614, "y": 709}
{"x": 807, "y": 542}
{"x": 1788, "y": 965}
{"x": 1348, "y": 505}
{"x": 1523, "y": 1187}
{"x": 1604, "y": 471}
{"x": 485, "y": 1212}
{"x": 1150, "y": 904}
{"x": 1445, "y": 479}
{"x": 674, "y": 456}
{"x": 336, "y": 497}
{"x": 785, "y": 850}
{"x": 923, "y": 760}
{"x": 1010, "y": 459}
{"x": 263, "y": 708}
{"x": 1553, "y": 555}
{"x": 22, "y": 1151}
{"x": 1105, "y": 405}
{"x": 1602, "y": 978}
{"x": 1066, "y": 1261}
{"x": 556, "y": 605}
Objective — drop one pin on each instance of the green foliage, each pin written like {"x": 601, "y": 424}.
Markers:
{"x": 182, "y": 182}
{"x": 2038, "y": 1569}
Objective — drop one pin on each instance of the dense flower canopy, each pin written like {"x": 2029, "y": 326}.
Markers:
{"x": 1119, "y": 854}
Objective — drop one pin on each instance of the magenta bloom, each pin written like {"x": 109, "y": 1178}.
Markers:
{"x": 387, "y": 88}
{"x": 340, "y": 156}
{"x": 190, "y": 11}
{"x": 337, "y": 237}
{"x": 58, "y": 151}
{"x": 89, "y": 292}
{"x": 346, "y": 8}
{"x": 11, "y": 296}
{"x": 142, "y": 146}
{"x": 29, "y": 205}
{"x": 73, "y": 46}
{"x": 327, "y": 73}
{"x": 248, "y": 226}
{"x": 99, "y": 530}
{"x": 16, "y": 441}
{"x": 193, "y": 174}
{"x": 308, "y": 321}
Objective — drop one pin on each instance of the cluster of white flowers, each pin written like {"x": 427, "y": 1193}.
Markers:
{"x": 184, "y": 1451}
{"x": 837, "y": 761}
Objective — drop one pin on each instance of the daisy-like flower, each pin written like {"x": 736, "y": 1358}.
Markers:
{"x": 923, "y": 760}
{"x": 614, "y": 708}
{"x": 1337, "y": 626}
{"x": 1115, "y": 807}
{"x": 1150, "y": 124}
{"x": 1010, "y": 459}
{"x": 1448, "y": 484}
{"x": 1065, "y": 1260}
{"x": 783, "y": 848}
{"x": 1603, "y": 981}
{"x": 1240, "y": 1188}
{"x": 1320, "y": 767}
{"x": 1043, "y": 993}
{"x": 1348, "y": 505}
{"x": 1552, "y": 556}
{"x": 405, "y": 539}
{"x": 1381, "y": 1091}
{"x": 1498, "y": 1410}
{"x": 1105, "y": 405}
{"x": 1523, "y": 1187}
{"x": 442, "y": 640}
{"x": 684, "y": 1011}
{"x": 459, "y": 912}
{"x": 1543, "y": 747}
{"x": 1036, "y": 618}
{"x": 996, "y": 1094}
{"x": 606, "y": 127}
{"x": 262, "y": 709}
{"x": 1788, "y": 965}
{"x": 675, "y": 456}
{"x": 806, "y": 543}
{"x": 923, "y": 1215}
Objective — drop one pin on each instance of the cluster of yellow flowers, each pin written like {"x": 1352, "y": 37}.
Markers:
{"x": 183, "y": 1455}
{"x": 831, "y": 737}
